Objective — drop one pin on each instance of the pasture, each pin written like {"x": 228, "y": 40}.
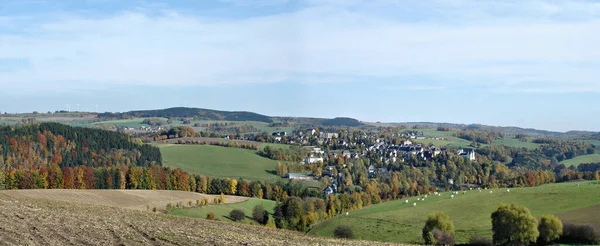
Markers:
{"x": 222, "y": 211}
{"x": 594, "y": 158}
{"x": 397, "y": 221}
{"x": 216, "y": 161}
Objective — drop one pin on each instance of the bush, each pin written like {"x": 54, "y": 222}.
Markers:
{"x": 480, "y": 241}
{"x": 259, "y": 214}
{"x": 442, "y": 237}
{"x": 210, "y": 216}
{"x": 579, "y": 234}
{"x": 237, "y": 214}
{"x": 437, "y": 221}
{"x": 550, "y": 229}
{"x": 343, "y": 231}
{"x": 514, "y": 225}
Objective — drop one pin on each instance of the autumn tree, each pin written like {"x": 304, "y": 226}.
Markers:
{"x": 222, "y": 198}
{"x": 437, "y": 221}
{"x": 513, "y": 224}
{"x": 550, "y": 228}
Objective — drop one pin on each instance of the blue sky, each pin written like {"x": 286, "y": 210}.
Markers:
{"x": 510, "y": 63}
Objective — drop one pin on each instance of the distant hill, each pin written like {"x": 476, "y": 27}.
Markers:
{"x": 181, "y": 112}
{"x": 307, "y": 121}
{"x": 510, "y": 130}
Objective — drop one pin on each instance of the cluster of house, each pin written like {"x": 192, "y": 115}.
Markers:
{"x": 144, "y": 129}
{"x": 389, "y": 153}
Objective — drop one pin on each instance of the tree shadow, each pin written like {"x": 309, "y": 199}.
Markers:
{"x": 271, "y": 172}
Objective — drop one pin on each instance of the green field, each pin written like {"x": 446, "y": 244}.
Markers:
{"x": 222, "y": 211}
{"x": 216, "y": 161}
{"x": 397, "y": 221}
{"x": 595, "y": 158}
{"x": 454, "y": 142}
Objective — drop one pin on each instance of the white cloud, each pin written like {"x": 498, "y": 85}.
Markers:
{"x": 330, "y": 41}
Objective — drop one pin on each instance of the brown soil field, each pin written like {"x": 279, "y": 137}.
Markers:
{"x": 589, "y": 215}
{"x": 31, "y": 220}
{"x": 130, "y": 199}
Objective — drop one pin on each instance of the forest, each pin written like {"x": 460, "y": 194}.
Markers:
{"x": 196, "y": 113}
{"x": 40, "y": 145}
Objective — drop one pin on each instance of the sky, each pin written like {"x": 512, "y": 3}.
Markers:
{"x": 533, "y": 64}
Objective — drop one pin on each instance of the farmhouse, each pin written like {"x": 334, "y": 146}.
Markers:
{"x": 297, "y": 176}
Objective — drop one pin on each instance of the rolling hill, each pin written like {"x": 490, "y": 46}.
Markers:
{"x": 182, "y": 112}
{"x": 398, "y": 221}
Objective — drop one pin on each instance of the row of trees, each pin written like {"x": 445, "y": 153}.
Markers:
{"x": 483, "y": 137}
{"x": 513, "y": 225}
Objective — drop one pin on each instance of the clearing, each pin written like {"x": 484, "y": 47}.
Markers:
{"x": 594, "y": 158}
{"x": 222, "y": 211}
{"x": 216, "y": 161}
{"x": 397, "y": 221}
{"x": 41, "y": 221}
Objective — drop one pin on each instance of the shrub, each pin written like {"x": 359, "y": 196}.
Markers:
{"x": 259, "y": 214}
{"x": 513, "y": 225}
{"x": 550, "y": 229}
{"x": 154, "y": 209}
{"x": 579, "y": 234}
{"x": 480, "y": 241}
{"x": 190, "y": 203}
{"x": 442, "y": 237}
{"x": 440, "y": 221}
{"x": 343, "y": 231}
{"x": 271, "y": 223}
{"x": 169, "y": 207}
{"x": 210, "y": 216}
{"x": 237, "y": 214}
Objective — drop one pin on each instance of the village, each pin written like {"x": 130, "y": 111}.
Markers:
{"x": 331, "y": 146}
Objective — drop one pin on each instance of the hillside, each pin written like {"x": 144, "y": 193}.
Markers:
{"x": 41, "y": 145}
{"x": 398, "y": 221}
{"x": 216, "y": 161}
{"x": 182, "y": 112}
{"x": 39, "y": 221}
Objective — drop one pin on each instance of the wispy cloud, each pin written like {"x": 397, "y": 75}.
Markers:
{"x": 531, "y": 46}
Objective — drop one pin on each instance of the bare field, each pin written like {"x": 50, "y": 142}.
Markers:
{"x": 41, "y": 221}
{"x": 129, "y": 199}
{"x": 589, "y": 215}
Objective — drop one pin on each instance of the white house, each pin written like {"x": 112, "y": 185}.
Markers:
{"x": 468, "y": 154}
{"x": 313, "y": 159}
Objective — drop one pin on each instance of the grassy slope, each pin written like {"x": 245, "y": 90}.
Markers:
{"x": 39, "y": 221}
{"x": 218, "y": 161}
{"x": 222, "y": 211}
{"x": 399, "y": 222}
{"x": 582, "y": 159}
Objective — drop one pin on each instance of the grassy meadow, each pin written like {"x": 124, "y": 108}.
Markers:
{"x": 594, "y": 158}
{"x": 216, "y": 161}
{"x": 400, "y": 222}
{"x": 222, "y": 211}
